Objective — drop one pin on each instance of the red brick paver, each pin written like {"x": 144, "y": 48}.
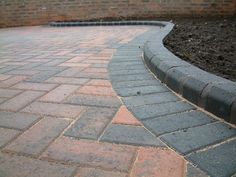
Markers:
{"x": 90, "y": 153}
{"x": 34, "y": 140}
{"x": 99, "y": 82}
{"x": 70, "y": 72}
{"x": 18, "y": 166}
{"x": 123, "y": 116}
{"x": 9, "y": 93}
{"x": 53, "y": 109}
{"x": 4, "y": 77}
{"x": 67, "y": 80}
{"x": 6, "y": 135}
{"x": 34, "y": 86}
{"x": 11, "y": 81}
{"x": 20, "y": 101}
{"x": 97, "y": 90}
{"x": 96, "y": 70}
{"x": 93, "y": 172}
{"x": 158, "y": 163}
{"x": 75, "y": 64}
{"x": 59, "y": 93}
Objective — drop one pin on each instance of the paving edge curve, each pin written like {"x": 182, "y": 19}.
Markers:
{"x": 213, "y": 93}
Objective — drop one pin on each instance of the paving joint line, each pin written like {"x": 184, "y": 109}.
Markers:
{"x": 189, "y": 102}
{"x": 21, "y": 133}
{"x": 61, "y": 134}
{"x": 106, "y": 127}
{"x": 212, "y": 146}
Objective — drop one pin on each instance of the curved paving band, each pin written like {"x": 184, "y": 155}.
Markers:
{"x": 180, "y": 125}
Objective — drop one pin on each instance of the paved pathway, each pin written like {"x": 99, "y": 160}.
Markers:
{"x": 61, "y": 117}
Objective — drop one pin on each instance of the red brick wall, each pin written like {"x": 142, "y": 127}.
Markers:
{"x": 35, "y": 12}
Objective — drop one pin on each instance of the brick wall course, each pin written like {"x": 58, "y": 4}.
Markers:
{"x": 37, "y": 12}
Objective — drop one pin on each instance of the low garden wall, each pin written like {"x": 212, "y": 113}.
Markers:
{"x": 37, "y": 12}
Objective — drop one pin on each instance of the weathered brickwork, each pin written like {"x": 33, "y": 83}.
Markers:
{"x": 35, "y": 12}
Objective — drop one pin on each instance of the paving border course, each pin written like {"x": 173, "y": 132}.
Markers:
{"x": 213, "y": 93}
{"x": 108, "y": 23}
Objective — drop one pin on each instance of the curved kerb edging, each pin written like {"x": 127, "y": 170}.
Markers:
{"x": 215, "y": 94}
{"x": 108, "y": 23}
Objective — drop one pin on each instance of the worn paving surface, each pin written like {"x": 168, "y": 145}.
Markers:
{"x": 80, "y": 102}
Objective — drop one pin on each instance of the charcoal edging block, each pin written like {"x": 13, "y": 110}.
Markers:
{"x": 191, "y": 83}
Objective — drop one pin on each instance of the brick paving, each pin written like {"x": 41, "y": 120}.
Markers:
{"x": 79, "y": 102}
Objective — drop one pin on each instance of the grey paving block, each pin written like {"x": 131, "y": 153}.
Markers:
{"x": 30, "y": 65}
{"x": 42, "y": 76}
{"x": 134, "y": 91}
{"x": 133, "y": 135}
{"x": 99, "y": 65}
{"x": 128, "y": 53}
{"x": 124, "y": 59}
{"x": 2, "y": 100}
{"x": 188, "y": 140}
{"x": 22, "y": 72}
{"x": 129, "y": 47}
{"x": 50, "y": 68}
{"x": 56, "y": 61}
{"x": 91, "y": 75}
{"x": 92, "y": 100}
{"x": 132, "y": 77}
{"x": 194, "y": 172}
{"x": 155, "y": 110}
{"x": 150, "y": 99}
{"x": 7, "y": 68}
{"x": 6, "y": 135}
{"x": 128, "y": 72}
{"x": 174, "y": 122}
{"x": 139, "y": 66}
{"x": 126, "y": 63}
{"x": 219, "y": 161}
{"x": 13, "y": 166}
{"x": 19, "y": 121}
{"x": 127, "y": 84}
{"x": 91, "y": 124}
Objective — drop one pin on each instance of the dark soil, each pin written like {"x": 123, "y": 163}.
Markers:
{"x": 209, "y": 44}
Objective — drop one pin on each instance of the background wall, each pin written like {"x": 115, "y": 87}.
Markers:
{"x": 36, "y": 12}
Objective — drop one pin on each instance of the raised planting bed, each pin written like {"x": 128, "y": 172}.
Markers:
{"x": 210, "y": 44}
